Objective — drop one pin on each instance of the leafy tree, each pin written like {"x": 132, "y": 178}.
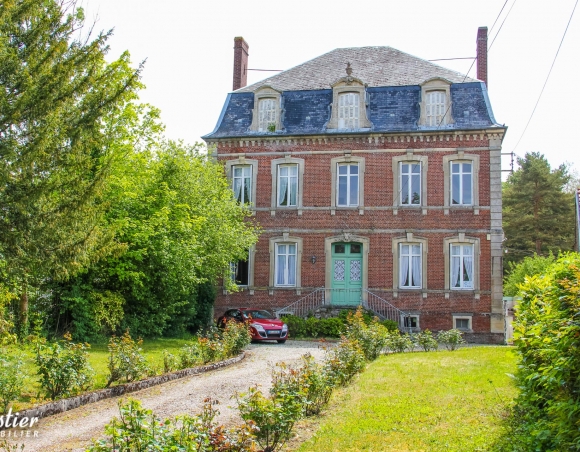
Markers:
{"x": 61, "y": 108}
{"x": 538, "y": 213}
{"x": 529, "y": 266}
{"x": 180, "y": 225}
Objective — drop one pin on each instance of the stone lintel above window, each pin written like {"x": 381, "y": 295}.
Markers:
{"x": 261, "y": 98}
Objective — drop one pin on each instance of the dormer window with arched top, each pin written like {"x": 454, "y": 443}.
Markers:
{"x": 349, "y": 102}
{"x": 267, "y": 111}
{"x": 348, "y": 110}
{"x": 435, "y": 104}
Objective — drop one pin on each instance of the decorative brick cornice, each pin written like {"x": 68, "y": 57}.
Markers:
{"x": 373, "y": 138}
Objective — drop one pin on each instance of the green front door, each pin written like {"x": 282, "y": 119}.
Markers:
{"x": 346, "y": 274}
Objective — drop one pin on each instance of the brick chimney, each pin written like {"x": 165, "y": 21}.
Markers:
{"x": 482, "y": 54}
{"x": 240, "y": 62}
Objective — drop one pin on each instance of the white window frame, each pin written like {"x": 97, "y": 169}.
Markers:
{"x": 447, "y": 185}
{"x": 410, "y": 175}
{"x": 334, "y": 163}
{"x": 462, "y": 280}
{"x": 349, "y": 110}
{"x": 409, "y": 239}
{"x": 397, "y": 162}
{"x": 285, "y": 239}
{"x": 411, "y": 255}
{"x": 349, "y": 184}
{"x": 435, "y": 108}
{"x": 274, "y": 169}
{"x": 462, "y": 239}
{"x": 291, "y": 184}
{"x": 242, "y": 161}
{"x": 461, "y": 187}
{"x": 289, "y": 250}
{"x": 243, "y": 189}
{"x": 267, "y": 114}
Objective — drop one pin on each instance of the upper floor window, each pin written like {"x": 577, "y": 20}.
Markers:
{"x": 410, "y": 183}
{"x": 410, "y": 266}
{"x": 348, "y": 110}
{"x": 461, "y": 183}
{"x": 242, "y": 183}
{"x": 288, "y": 185}
{"x": 462, "y": 266}
{"x": 436, "y": 103}
{"x": 347, "y": 193}
{"x": 435, "y": 107}
{"x": 267, "y": 115}
{"x": 285, "y": 271}
{"x": 267, "y": 112}
{"x": 240, "y": 272}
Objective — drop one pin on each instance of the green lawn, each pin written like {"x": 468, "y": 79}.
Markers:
{"x": 98, "y": 358}
{"x": 436, "y": 401}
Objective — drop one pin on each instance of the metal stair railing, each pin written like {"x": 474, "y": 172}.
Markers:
{"x": 384, "y": 309}
{"x": 305, "y": 305}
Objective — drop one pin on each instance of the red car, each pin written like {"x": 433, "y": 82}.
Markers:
{"x": 264, "y": 325}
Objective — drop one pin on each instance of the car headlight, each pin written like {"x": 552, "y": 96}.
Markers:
{"x": 284, "y": 327}
{"x": 258, "y": 327}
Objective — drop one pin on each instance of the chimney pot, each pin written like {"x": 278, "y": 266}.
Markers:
{"x": 482, "y": 54}
{"x": 240, "y": 63}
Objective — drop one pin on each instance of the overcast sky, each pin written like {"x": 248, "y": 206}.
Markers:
{"x": 188, "y": 46}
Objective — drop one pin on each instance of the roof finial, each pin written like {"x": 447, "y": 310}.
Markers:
{"x": 348, "y": 69}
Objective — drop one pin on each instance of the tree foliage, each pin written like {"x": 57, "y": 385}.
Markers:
{"x": 538, "y": 213}
{"x": 60, "y": 106}
{"x": 180, "y": 225}
{"x": 528, "y": 267}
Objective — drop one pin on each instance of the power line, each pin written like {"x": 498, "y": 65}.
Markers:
{"x": 549, "y": 72}
{"x": 501, "y": 26}
{"x": 447, "y": 59}
{"x": 494, "y": 22}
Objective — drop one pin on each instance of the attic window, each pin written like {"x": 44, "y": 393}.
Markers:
{"x": 436, "y": 103}
{"x": 348, "y": 110}
{"x": 435, "y": 108}
{"x": 267, "y": 115}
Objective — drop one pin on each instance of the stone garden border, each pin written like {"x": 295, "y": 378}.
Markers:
{"x": 62, "y": 405}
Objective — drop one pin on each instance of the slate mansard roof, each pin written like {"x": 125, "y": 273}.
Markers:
{"x": 393, "y": 81}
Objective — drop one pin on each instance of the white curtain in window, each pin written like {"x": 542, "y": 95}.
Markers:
{"x": 238, "y": 188}
{"x": 468, "y": 263}
{"x": 416, "y": 269}
{"x": 404, "y": 270}
{"x": 283, "y": 193}
{"x": 291, "y": 270}
{"x": 455, "y": 266}
{"x": 281, "y": 265}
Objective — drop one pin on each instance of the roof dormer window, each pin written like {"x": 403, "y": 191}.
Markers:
{"x": 436, "y": 104}
{"x": 348, "y": 110}
{"x": 349, "y": 104}
{"x": 267, "y": 112}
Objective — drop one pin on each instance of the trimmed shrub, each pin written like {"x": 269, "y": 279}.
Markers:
{"x": 63, "y": 367}
{"x": 126, "y": 360}
{"x": 426, "y": 341}
{"x": 399, "y": 342}
{"x": 451, "y": 339}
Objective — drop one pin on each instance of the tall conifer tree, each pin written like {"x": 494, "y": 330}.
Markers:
{"x": 538, "y": 213}
{"x": 60, "y": 105}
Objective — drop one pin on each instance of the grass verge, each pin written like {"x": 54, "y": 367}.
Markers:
{"x": 437, "y": 401}
{"x": 98, "y": 358}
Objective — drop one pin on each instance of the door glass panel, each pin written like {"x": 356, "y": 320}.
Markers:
{"x": 355, "y": 248}
{"x": 340, "y": 248}
{"x": 339, "y": 270}
{"x": 355, "y": 270}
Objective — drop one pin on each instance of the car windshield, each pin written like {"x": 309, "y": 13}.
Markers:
{"x": 258, "y": 314}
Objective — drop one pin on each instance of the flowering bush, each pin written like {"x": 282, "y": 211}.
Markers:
{"x": 126, "y": 360}
{"x": 399, "y": 342}
{"x": 63, "y": 367}
{"x": 451, "y": 339}
{"x": 426, "y": 341}
{"x": 372, "y": 336}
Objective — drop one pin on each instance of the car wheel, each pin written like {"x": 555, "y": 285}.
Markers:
{"x": 281, "y": 341}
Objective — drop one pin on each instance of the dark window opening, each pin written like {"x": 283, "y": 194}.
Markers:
{"x": 241, "y": 272}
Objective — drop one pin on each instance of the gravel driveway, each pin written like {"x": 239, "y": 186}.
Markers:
{"x": 73, "y": 430}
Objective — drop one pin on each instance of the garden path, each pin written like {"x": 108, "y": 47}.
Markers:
{"x": 75, "y": 429}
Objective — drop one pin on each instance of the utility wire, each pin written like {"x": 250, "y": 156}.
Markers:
{"x": 501, "y": 26}
{"x": 549, "y": 72}
{"x": 500, "y": 11}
